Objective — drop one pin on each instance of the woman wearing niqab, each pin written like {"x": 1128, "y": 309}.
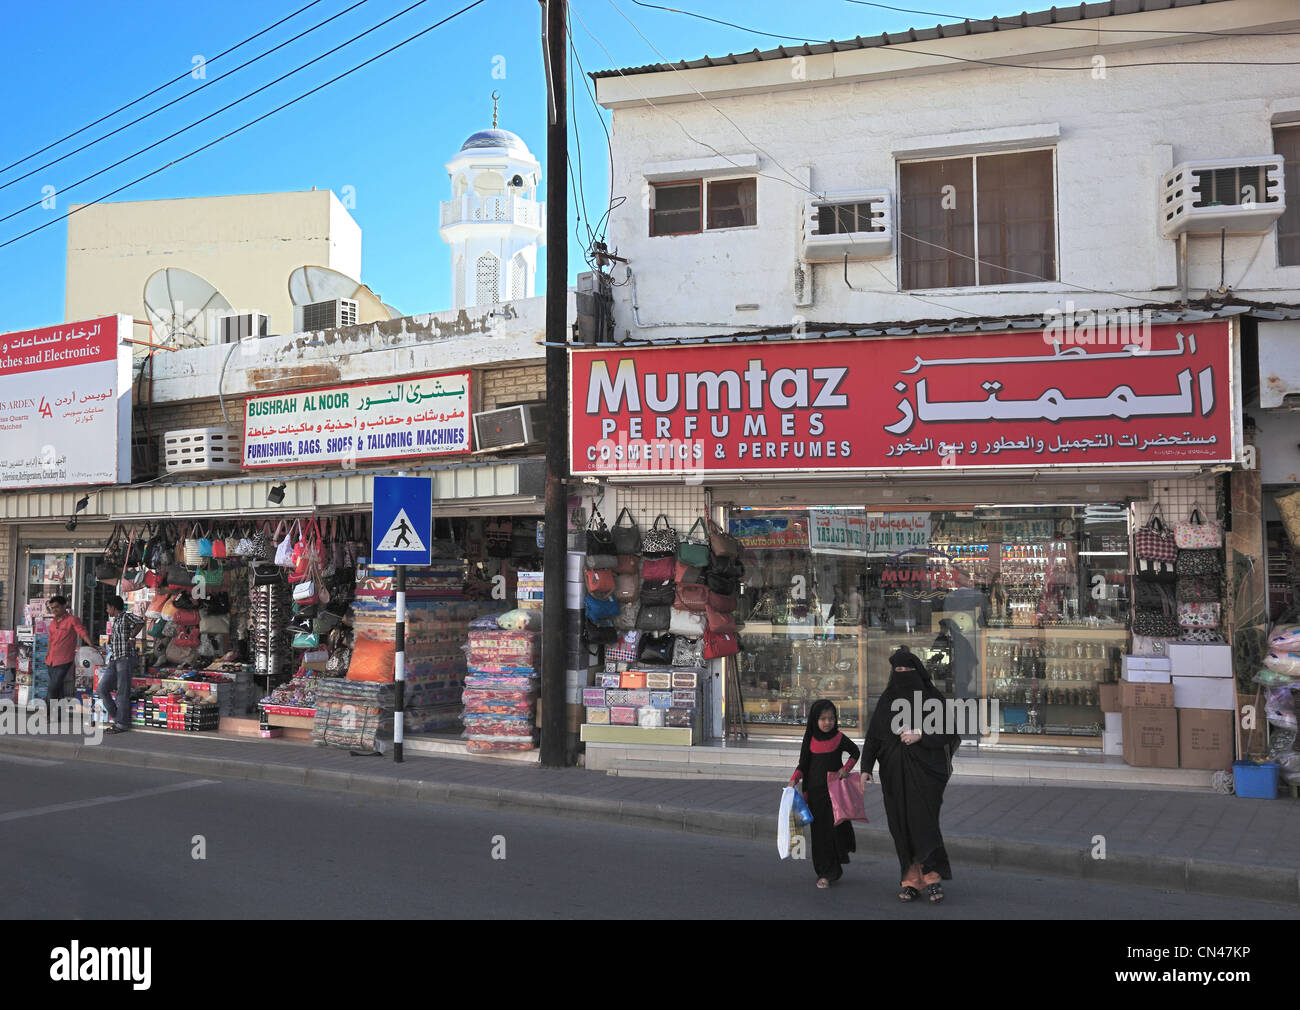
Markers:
{"x": 914, "y": 769}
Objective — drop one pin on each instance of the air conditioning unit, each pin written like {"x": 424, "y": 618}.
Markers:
{"x": 203, "y": 450}
{"x": 858, "y": 223}
{"x": 1242, "y": 195}
{"x": 509, "y": 427}
{"x": 328, "y": 315}
{"x": 232, "y": 328}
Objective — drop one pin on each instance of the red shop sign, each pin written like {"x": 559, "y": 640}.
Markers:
{"x": 976, "y": 400}
{"x": 59, "y": 346}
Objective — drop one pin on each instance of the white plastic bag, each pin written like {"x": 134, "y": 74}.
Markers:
{"x": 783, "y": 822}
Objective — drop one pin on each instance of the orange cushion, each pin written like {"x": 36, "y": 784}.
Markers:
{"x": 372, "y": 660}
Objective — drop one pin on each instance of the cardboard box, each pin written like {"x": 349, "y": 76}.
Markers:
{"x": 1191, "y": 660}
{"x": 1150, "y": 736}
{"x": 1109, "y": 697}
{"x": 1205, "y": 693}
{"x": 1156, "y": 664}
{"x": 1206, "y": 738}
{"x": 1140, "y": 676}
{"x": 1140, "y": 695}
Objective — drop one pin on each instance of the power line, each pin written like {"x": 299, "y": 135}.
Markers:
{"x": 160, "y": 87}
{"x": 240, "y": 129}
{"x": 800, "y": 186}
{"x": 609, "y": 143}
{"x": 175, "y": 101}
{"x": 224, "y": 108}
{"x": 728, "y": 24}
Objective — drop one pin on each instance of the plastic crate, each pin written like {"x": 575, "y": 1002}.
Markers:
{"x": 1255, "y": 781}
{"x": 202, "y": 450}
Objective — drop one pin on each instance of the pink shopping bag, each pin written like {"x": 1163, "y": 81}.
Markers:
{"x": 846, "y": 797}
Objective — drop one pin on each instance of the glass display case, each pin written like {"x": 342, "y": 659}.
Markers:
{"x": 1024, "y": 606}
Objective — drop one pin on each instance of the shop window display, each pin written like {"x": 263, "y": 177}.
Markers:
{"x": 1026, "y": 606}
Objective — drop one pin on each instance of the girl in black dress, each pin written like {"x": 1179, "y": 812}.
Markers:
{"x": 822, "y": 755}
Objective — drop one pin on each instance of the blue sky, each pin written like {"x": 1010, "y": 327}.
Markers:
{"x": 385, "y": 131}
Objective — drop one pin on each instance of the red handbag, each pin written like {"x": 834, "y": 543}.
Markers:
{"x": 720, "y": 644}
{"x": 687, "y": 573}
{"x": 722, "y": 604}
{"x": 658, "y": 569}
{"x": 720, "y": 622}
{"x": 187, "y": 636}
{"x": 186, "y": 618}
{"x": 600, "y": 580}
{"x": 692, "y": 596}
{"x": 153, "y": 580}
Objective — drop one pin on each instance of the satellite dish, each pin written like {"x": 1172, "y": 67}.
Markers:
{"x": 309, "y": 284}
{"x": 180, "y": 305}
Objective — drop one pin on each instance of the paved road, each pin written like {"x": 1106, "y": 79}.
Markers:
{"x": 96, "y": 842}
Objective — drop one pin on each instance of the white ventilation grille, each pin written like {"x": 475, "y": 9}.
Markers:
{"x": 1242, "y": 196}
{"x": 856, "y": 223}
{"x": 518, "y": 278}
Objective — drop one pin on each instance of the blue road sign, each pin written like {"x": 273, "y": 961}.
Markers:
{"x": 401, "y": 522}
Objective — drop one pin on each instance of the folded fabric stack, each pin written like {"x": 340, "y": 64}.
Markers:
{"x": 501, "y": 689}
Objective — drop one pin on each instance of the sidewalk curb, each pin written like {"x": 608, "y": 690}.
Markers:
{"x": 1193, "y": 876}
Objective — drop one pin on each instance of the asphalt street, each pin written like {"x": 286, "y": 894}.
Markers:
{"x": 102, "y": 842}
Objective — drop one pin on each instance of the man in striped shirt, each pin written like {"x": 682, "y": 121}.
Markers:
{"x": 121, "y": 664}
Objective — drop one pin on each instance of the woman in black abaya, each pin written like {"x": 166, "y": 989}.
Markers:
{"x": 822, "y": 755}
{"x": 914, "y": 769}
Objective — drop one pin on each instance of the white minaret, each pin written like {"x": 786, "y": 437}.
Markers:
{"x": 493, "y": 221}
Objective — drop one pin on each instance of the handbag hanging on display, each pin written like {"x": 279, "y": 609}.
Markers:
{"x": 719, "y": 622}
{"x": 718, "y": 645}
{"x": 626, "y": 588}
{"x": 628, "y": 564}
{"x": 600, "y": 581}
{"x": 688, "y": 652}
{"x": 599, "y": 632}
{"x": 686, "y": 623}
{"x": 1154, "y": 541}
{"x": 627, "y": 539}
{"x": 660, "y": 593}
{"x": 659, "y": 541}
{"x": 655, "y": 617}
{"x": 599, "y": 539}
{"x": 627, "y": 616}
{"x": 658, "y": 569}
{"x": 692, "y": 596}
{"x": 657, "y": 649}
{"x": 723, "y": 544}
{"x": 1196, "y": 533}
{"x": 1205, "y": 561}
{"x": 693, "y": 549}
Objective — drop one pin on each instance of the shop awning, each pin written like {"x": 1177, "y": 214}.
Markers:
{"x": 516, "y": 487}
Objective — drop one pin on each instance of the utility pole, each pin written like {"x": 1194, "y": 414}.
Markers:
{"x": 555, "y": 550}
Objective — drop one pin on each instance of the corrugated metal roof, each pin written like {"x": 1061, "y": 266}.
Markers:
{"x": 1051, "y": 16}
{"x": 1160, "y": 315}
{"x": 335, "y": 491}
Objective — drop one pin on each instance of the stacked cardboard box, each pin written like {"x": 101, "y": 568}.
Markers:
{"x": 1205, "y": 697}
{"x": 1148, "y": 722}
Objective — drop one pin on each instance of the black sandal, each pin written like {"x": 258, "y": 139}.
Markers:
{"x": 909, "y": 894}
{"x": 935, "y": 891}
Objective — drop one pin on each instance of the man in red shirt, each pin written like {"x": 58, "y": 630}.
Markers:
{"x": 65, "y": 629}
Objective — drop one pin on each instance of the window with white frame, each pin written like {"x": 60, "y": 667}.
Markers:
{"x": 977, "y": 221}
{"x": 487, "y": 290}
{"x": 690, "y": 206}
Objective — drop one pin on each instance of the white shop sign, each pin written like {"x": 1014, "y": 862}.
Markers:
{"x": 65, "y": 405}
{"x": 849, "y": 531}
{"x": 425, "y": 415}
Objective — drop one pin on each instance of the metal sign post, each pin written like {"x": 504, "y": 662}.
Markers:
{"x": 401, "y": 533}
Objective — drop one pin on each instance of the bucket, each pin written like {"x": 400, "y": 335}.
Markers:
{"x": 1256, "y": 781}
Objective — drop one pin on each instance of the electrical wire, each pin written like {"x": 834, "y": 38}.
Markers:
{"x": 240, "y": 129}
{"x": 176, "y": 101}
{"x": 800, "y": 186}
{"x": 150, "y": 94}
{"x": 580, "y": 190}
{"x": 224, "y": 108}
{"x": 609, "y": 143}
{"x": 728, "y": 24}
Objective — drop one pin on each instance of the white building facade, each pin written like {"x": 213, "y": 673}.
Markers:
{"x": 906, "y": 195}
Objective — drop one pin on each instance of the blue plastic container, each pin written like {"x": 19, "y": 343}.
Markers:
{"x": 1256, "y": 781}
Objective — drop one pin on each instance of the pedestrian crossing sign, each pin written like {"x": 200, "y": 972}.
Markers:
{"x": 401, "y": 521}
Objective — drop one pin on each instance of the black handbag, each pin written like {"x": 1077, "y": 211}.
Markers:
{"x": 599, "y": 539}
{"x": 627, "y": 539}
{"x": 723, "y": 585}
{"x": 654, "y": 618}
{"x": 602, "y": 633}
{"x": 657, "y": 649}
{"x": 216, "y": 604}
{"x": 267, "y": 573}
{"x": 1156, "y": 571}
{"x": 658, "y": 593}
{"x": 1203, "y": 561}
